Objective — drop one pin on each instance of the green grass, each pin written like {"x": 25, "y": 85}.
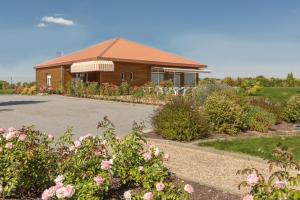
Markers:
{"x": 278, "y": 94}
{"x": 7, "y": 91}
{"x": 259, "y": 147}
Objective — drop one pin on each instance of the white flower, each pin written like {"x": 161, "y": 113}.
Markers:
{"x": 1, "y": 189}
{"x": 127, "y": 195}
{"x": 77, "y": 143}
{"x": 72, "y": 148}
{"x": 141, "y": 168}
{"x": 111, "y": 161}
{"x": 59, "y": 179}
{"x": 156, "y": 151}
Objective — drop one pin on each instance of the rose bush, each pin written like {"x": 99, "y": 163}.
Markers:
{"x": 92, "y": 167}
{"x": 281, "y": 185}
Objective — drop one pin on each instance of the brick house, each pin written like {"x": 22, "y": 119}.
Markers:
{"x": 118, "y": 60}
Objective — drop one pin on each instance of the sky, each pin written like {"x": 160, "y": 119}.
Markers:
{"x": 233, "y": 37}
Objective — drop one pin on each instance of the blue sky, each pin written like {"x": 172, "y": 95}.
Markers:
{"x": 233, "y": 37}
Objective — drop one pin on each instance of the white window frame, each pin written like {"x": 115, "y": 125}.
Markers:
{"x": 49, "y": 80}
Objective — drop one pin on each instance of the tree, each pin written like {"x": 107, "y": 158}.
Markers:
{"x": 229, "y": 81}
{"x": 290, "y": 80}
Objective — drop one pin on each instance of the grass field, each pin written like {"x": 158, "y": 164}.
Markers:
{"x": 7, "y": 91}
{"x": 259, "y": 147}
{"x": 278, "y": 94}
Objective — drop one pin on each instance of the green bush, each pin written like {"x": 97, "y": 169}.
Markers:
{"x": 180, "y": 120}
{"x": 259, "y": 119}
{"x": 226, "y": 112}
{"x": 267, "y": 105}
{"x": 92, "y": 88}
{"x": 124, "y": 88}
{"x": 291, "y": 111}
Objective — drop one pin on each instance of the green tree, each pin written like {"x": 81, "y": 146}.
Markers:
{"x": 290, "y": 80}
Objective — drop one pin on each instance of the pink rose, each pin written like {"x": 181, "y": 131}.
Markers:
{"x": 252, "y": 179}
{"x": 156, "y": 151}
{"x": 22, "y": 137}
{"x": 65, "y": 192}
{"x": 280, "y": 184}
{"x": 9, "y": 145}
{"x": 99, "y": 180}
{"x": 2, "y": 130}
{"x": 188, "y": 188}
{"x": 48, "y": 193}
{"x": 147, "y": 156}
{"x": 10, "y": 135}
{"x": 160, "y": 186}
{"x": 148, "y": 196}
{"x": 105, "y": 164}
{"x": 248, "y": 197}
{"x": 166, "y": 157}
{"x": 12, "y": 129}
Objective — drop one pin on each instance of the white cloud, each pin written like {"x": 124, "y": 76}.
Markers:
{"x": 41, "y": 25}
{"x": 58, "y": 21}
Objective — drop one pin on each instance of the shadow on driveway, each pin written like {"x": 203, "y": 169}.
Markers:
{"x": 15, "y": 103}
{"x": 3, "y": 110}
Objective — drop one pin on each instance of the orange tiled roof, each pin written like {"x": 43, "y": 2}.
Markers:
{"x": 124, "y": 51}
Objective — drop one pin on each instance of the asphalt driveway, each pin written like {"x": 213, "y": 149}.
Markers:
{"x": 54, "y": 114}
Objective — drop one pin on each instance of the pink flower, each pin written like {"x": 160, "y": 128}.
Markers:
{"x": 72, "y": 148}
{"x": 160, "y": 186}
{"x": 22, "y": 137}
{"x": 98, "y": 153}
{"x": 2, "y": 130}
{"x": 148, "y": 196}
{"x": 252, "y": 179}
{"x": 9, "y": 145}
{"x": 248, "y": 197}
{"x": 280, "y": 184}
{"x": 65, "y": 192}
{"x": 167, "y": 157}
{"x": 127, "y": 195}
{"x": 77, "y": 144}
{"x": 10, "y": 135}
{"x": 147, "y": 156}
{"x": 49, "y": 193}
{"x": 156, "y": 151}
{"x": 188, "y": 188}
{"x": 99, "y": 180}
{"x": 12, "y": 129}
{"x": 59, "y": 179}
{"x": 105, "y": 164}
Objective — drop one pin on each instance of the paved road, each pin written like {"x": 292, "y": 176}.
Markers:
{"x": 53, "y": 114}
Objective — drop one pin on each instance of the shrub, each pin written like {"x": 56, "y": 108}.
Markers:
{"x": 124, "y": 88}
{"x": 280, "y": 185}
{"x": 268, "y": 106}
{"x": 180, "y": 120}
{"x": 24, "y": 90}
{"x": 27, "y": 162}
{"x": 201, "y": 92}
{"x": 226, "y": 112}
{"x": 259, "y": 119}
{"x": 291, "y": 111}
{"x": 108, "y": 89}
{"x": 32, "y": 90}
{"x": 92, "y": 88}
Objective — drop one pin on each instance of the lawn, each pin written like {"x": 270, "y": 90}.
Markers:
{"x": 7, "y": 91}
{"x": 278, "y": 94}
{"x": 259, "y": 147}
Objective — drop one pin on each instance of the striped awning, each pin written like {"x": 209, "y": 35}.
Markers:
{"x": 92, "y": 66}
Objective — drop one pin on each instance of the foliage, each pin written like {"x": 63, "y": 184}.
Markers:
{"x": 180, "y": 120}
{"x": 92, "y": 88}
{"x": 278, "y": 94}
{"x": 92, "y": 167}
{"x": 226, "y": 112}
{"x": 290, "y": 80}
{"x": 108, "y": 89}
{"x": 280, "y": 185}
{"x": 125, "y": 88}
{"x": 291, "y": 111}
{"x": 27, "y": 161}
{"x": 259, "y": 119}
{"x": 269, "y": 106}
{"x": 6, "y": 91}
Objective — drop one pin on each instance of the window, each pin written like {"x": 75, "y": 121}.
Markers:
{"x": 157, "y": 77}
{"x": 190, "y": 79}
{"x": 131, "y": 76}
{"x": 49, "y": 77}
{"x": 123, "y": 76}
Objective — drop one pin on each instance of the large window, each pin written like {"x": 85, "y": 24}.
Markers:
{"x": 49, "y": 80}
{"x": 157, "y": 77}
{"x": 190, "y": 79}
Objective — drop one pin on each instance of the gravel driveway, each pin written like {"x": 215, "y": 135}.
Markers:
{"x": 53, "y": 114}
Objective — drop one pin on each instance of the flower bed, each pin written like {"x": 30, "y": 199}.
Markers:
{"x": 33, "y": 164}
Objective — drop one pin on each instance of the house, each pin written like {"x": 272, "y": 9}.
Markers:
{"x": 118, "y": 60}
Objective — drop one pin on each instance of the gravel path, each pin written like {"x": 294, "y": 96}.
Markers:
{"x": 208, "y": 167}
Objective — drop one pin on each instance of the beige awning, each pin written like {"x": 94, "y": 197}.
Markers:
{"x": 93, "y": 66}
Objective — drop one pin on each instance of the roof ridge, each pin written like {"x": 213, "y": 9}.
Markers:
{"x": 107, "y": 48}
